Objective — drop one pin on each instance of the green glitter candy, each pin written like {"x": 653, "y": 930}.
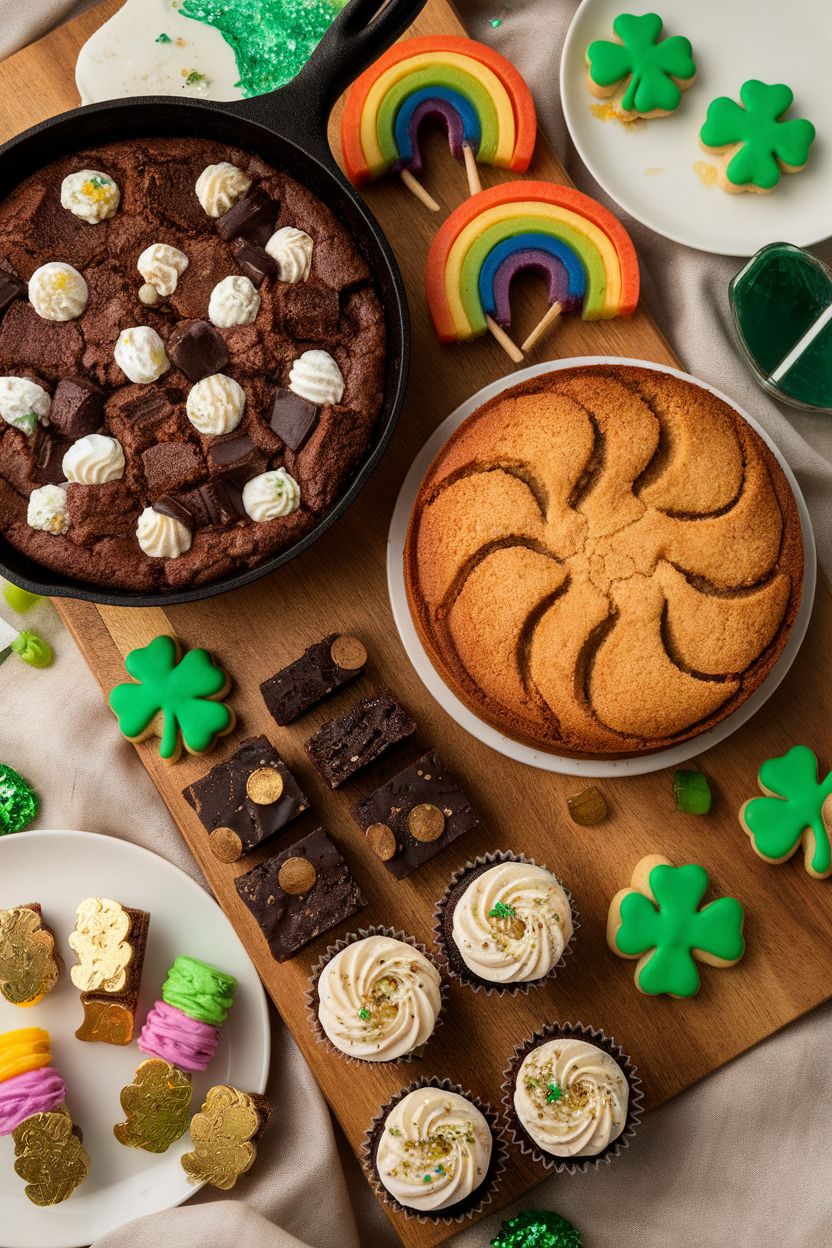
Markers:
{"x": 553, "y": 1093}
{"x": 537, "y": 1229}
{"x": 364, "y": 1013}
{"x": 19, "y": 600}
{"x": 502, "y": 912}
{"x": 32, "y": 649}
{"x": 18, "y": 801}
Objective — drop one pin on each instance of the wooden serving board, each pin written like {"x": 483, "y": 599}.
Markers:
{"x": 340, "y": 585}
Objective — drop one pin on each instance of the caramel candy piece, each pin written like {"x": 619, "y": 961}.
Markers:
{"x": 225, "y": 844}
{"x": 348, "y": 652}
{"x": 264, "y": 785}
{"x": 382, "y": 841}
{"x": 588, "y": 807}
{"x": 108, "y": 1021}
{"x": 426, "y": 823}
{"x": 296, "y": 876}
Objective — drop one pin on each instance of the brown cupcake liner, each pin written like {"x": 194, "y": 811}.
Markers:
{"x": 467, "y": 977}
{"x": 518, "y": 1135}
{"x": 311, "y": 998}
{"x": 479, "y": 1198}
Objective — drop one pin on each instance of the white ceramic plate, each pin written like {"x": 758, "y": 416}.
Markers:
{"x": 649, "y": 170}
{"x": 484, "y": 732}
{"x": 60, "y": 869}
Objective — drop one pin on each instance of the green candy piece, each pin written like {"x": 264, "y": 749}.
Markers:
{"x": 18, "y": 801}
{"x": 778, "y": 824}
{"x": 673, "y": 926}
{"x": 692, "y": 793}
{"x": 32, "y": 649}
{"x": 656, "y": 68}
{"x": 181, "y": 691}
{"x": 19, "y": 600}
{"x": 767, "y": 142}
{"x": 199, "y": 990}
{"x": 537, "y": 1229}
{"x": 163, "y": 38}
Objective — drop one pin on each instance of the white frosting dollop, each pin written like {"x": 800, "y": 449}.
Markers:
{"x": 47, "y": 509}
{"x": 291, "y": 249}
{"x": 215, "y": 404}
{"x": 91, "y": 195}
{"x": 270, "y": 495}
{"x": 234, "y": 301}
{"x": 315, "y": 376}
{"x": 591, "y": 1110}
{"x": 162, "y": 537}
{"x": 378, "y": 999}
{"x": 434, "y": 1149}
{"x": 162, "y": 266}
{"x": 94, "y": 459}
{"x": 519, "y": 946}
{"x": 219, "y": 187}
{"x": 23, "y": 403}
{"x": 140, "y": 354}
{"x": 58, "y": 292}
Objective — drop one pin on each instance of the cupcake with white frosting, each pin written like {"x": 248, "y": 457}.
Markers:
{"x": 375, "y": 996}
{"x": 572, "y": 1097}
{"x": 504, "y": 924}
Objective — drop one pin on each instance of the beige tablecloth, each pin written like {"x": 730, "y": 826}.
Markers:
{"x": 742, "y": 1159}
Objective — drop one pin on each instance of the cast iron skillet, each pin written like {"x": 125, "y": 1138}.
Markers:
{"x": 288, "y": 129}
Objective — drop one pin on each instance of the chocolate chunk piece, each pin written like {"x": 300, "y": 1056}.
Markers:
{"x": 171, "y": 466}
{"x": 254, "y": 261}
{"x": 198, "y": 349}
{"x": 308, "y": 312}
{"x": 251, "y": 218}
{"x": 415, "y": 815}
{"x": 215, "y": 502}
{"x": 48, "y": 458}
{"x": 313, "y": 676}
{"x": 77, "y": 408}
{"x": 343, "y": 746}
{"x": 167, "y": 506}
{"x": 252, "y": 795}
{"x": 11, "y": 288}
{"x": 290, "y": 919}
{"x": 293, "y": 418}
{"x": 236, "y": 459}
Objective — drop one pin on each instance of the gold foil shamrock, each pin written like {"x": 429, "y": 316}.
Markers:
{"x": 29, "y": 966}
{"x": 156, "y": 1104}
{"x": 221, "y": 1134}
{"x": 50, "y": 1157}
{"x": 100, "y": 941}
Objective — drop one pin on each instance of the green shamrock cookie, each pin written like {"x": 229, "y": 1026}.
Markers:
{"x": 658, "y": 921}
{"x": 755, "y": 144}
{"x": 175, "y": 698}
{"x": 653, "y": 74}
{"x": 796, "y": 810}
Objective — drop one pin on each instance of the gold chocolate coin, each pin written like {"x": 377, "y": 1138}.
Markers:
{"x": 156, "y": 1103}
{"x": 264, "y": 786}
{"x": 50, "y": 1157}
{"x": 348, "y": 653}
{"x": 296, "y": 876}
{"x": 382, "y": 841}
{"x": 426, "y": 822}
{"x": 225, "y": 844}
{"x": 222, "y": 1134}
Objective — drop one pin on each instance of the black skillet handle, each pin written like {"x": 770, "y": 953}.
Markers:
{"x": 300, "y": 110}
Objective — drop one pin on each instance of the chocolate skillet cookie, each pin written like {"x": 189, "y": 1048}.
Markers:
{"x": 191, "y": 363}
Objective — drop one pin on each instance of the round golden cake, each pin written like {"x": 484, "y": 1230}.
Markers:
{"x": 604, "y": 561}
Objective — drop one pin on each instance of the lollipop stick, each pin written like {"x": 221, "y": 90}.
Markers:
{"x": 474, "y": 184}
{"x": 417, "y": 190}
{"x": 504, "y": 341}
{"x": 541, "y": 327}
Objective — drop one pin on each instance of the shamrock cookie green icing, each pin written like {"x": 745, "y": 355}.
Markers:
{"x": 797, "y": 810}
{"x": 175, "y": 698}
{"x": 754, "y": 141}
{"x": 647, "y": 76}
{"x": 658, "y": 920}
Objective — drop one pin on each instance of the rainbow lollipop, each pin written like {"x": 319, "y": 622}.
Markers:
{"x": 478, "y": 96}
{"x": 584, "y": 252}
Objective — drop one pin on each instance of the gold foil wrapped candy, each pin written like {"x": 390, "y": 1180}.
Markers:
{"x": 224, "y": 1135}
{"x": 156, "y": 1104}
{"x": 100, "y": 942}
{"x": 29, "y": 964}
{"x": 50, "y": 1157}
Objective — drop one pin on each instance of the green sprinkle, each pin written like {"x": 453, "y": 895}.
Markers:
{"x": 553, "y": 1093}
{"x": 496, "y": 22}
{"x": 193, "y": 78}
{"x": 364, "y": 1013}
{"x": 531, "y": 1083}
{"x": 163, "y": 38}
{"x": 426, "y": 1179}
{"x": 32, "y": 650}
{"x": 99, "y": 182}
{"x": 502, "y": 912}
{"x": 19, "y": 599}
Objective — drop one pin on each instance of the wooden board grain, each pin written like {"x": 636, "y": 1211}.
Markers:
{"x": 340, "y": 584}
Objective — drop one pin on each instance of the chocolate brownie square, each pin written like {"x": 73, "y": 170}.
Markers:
{"x": 320, "y": 670}
{"x": 304, "y": 891}
{"x": 96, "y": 511}
{"x": 246, "y": 799}
{"x": 140, "y": 416}
{"x": 343, "y": 746}
{"x": 415, "y": 815}
{"x": 308, "y": 312}
{"x": 172, "y": 466}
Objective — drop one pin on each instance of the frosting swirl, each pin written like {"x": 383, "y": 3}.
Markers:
{"x": 590, "y": 1110}
{"x": 162, "y": 266}
{"x": 58, "y": 292}
{"x": 434, "y": 1150}
{"x": 379, "y": 999}
{"x": 34, "y": 1092}
{"x": 215, "y": 404}
{"x": 271, "y": 494}
{"x": 234, "y": 301}
{"x": 162, "y": 537}
{"x": 291, "y": 249}
{"x": 173, "y": 1036}
{"x": 512, "y": 923}
{"x": 316, "y": 376}
{"x": 47, "y": 509}
{"x": 199, "y": 990}
{"x": 94, "y": 459}
{"x": 23, "y": 403}
{"x": 140, "y": 354}
{"x": 219, "y": 187}
{"x": 90, "y": 195}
